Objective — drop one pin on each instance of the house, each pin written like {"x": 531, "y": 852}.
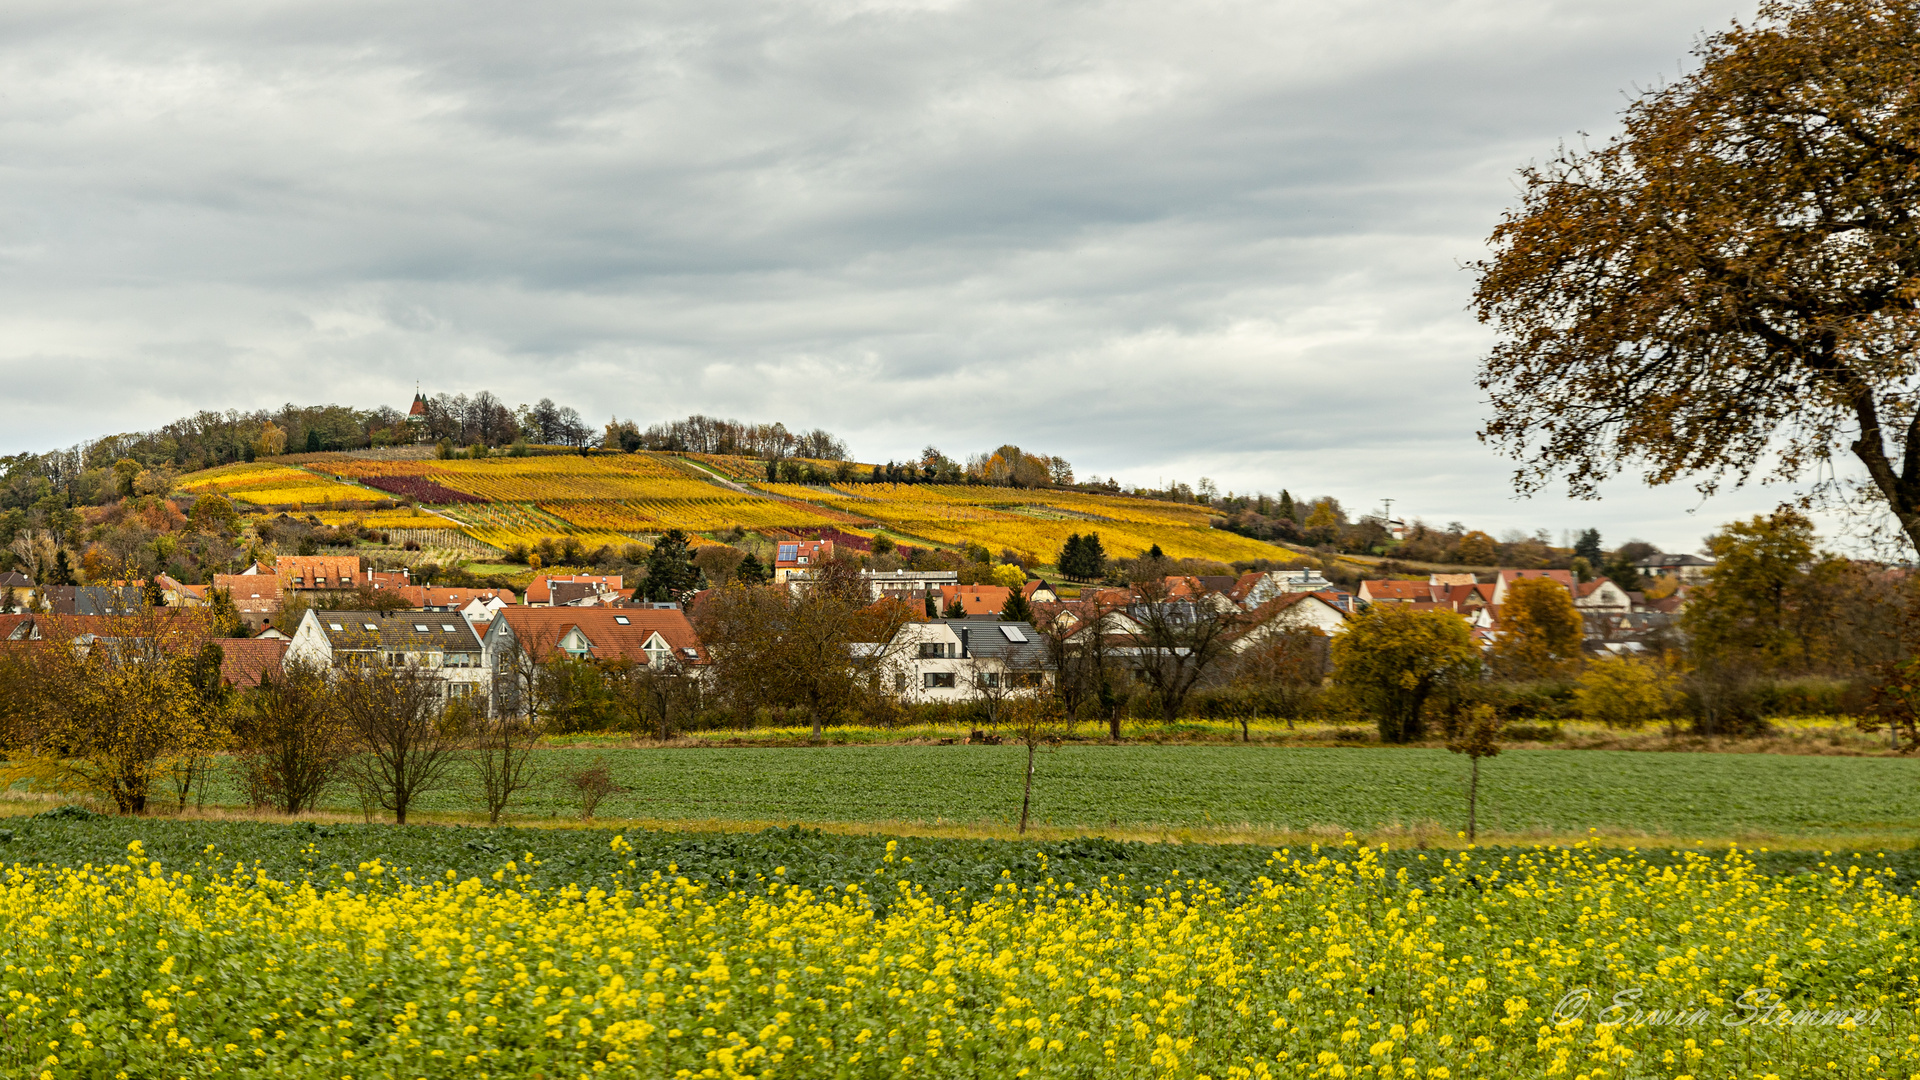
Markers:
{"x": 1293, "y": 611}
{"x": 175, "y": 593}
{"x": 962, "y": 659}
{"x": 442, "y": 646}
{"x": 906, "y": 586}
{"x": 1505, "y": 578}
{"x": 1601, "y": 596}
{"x": 978, "y": 601}
{"x": 652, "y": 636}
{"x": 1690, "y": 569}
{"x": 114, "y": 599}
{"x": 427, "y": 598}
{"x": 17, "y": 593}
{"x": 243, "y": 661}
{"x": 257, "y": 597}
{"x": 308, "y": 573}
{"x": 1039, "y": 592}
{"x": 797, "y": 555}
{"x": 574, "y": 590}
{"x": 1395, "y": 592}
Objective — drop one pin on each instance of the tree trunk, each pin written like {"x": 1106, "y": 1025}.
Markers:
{"x": 1026, "y": 798}
{"x": 1113, "y": 723}
{"x": 399, "y": 809}
{"x": 1244, "y": 736}
{"x": 1473, "y": 799}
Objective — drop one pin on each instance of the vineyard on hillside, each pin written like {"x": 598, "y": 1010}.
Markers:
{"x": 613, "y": 499}
{"x": 1032, "y": 521}
{"x": 260, "y": 485}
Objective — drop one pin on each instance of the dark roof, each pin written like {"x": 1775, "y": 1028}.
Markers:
{"x": 94, "y": 599}
{"x": 397, "y": 631}
{"x": 14, "y": 579}
{"x": 1659, "y": 561}
{"x": 987, "y": 639}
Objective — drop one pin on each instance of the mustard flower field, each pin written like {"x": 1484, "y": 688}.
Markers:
{"x": 1337, "y": 962}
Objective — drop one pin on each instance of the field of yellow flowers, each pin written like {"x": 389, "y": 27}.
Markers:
{"x": 1337, "y": 963}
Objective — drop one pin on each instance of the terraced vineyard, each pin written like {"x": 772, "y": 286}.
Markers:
{"x": 615, "y": 498}
{"x": 1036, "y": 523}
{"x": 257, "y": 484}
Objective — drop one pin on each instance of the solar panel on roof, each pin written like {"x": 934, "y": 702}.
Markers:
{"x": 1013, "y": 633}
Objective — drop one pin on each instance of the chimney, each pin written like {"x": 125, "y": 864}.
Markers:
{"x": 963, "y": 643}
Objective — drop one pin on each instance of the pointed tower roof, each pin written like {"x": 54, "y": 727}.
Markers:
{"x": 419, "y": 404}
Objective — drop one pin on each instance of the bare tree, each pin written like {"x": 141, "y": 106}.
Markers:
{"x": 822, "y": 647}
{"x": 1082, "y": 664}
{"x": 658, "y": 695}
{"x": 407, "y": 736}
{"x": 501, "y": 757}
{"x": 1036, "y": 721}
{"x": 1180, "y": 641}
{"x": 289, "y": 740}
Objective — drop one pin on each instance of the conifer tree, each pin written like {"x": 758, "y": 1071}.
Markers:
{"x": 1093, "y": 557}
{"x": 1073, "y": 557}
{"x": 671, "y": 575}
{"x": 954, "y": 610}
{"x": 750, "y": 571}
{"x": 1017, "y": 608}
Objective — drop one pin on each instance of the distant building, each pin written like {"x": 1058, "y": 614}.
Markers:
{"x": 797, "y": 556}
{"x": 443, "y": 646}
{"x": 1690, "y": 569}
{"x": 257, "y": 597}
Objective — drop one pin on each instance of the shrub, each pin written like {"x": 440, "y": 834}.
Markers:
{"x": 1621, "y": 692}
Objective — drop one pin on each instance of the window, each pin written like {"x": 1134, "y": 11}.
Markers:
{"x": 990, "y": 680}
{"x": 335, "y": 626}
{"x": 937, "y": 680}
{"x": 461, "y": 659}
{"x": 371, "y": 626}
{"x": 932, "y": 650}
{"x": 449, "y": 627}
{"x": 319, "y": 581}
{"x": 623, "y": 620}
{"x": 423, "y": 628}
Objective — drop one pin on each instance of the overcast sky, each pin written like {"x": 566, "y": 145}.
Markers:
{"x": 1162, "y": 240}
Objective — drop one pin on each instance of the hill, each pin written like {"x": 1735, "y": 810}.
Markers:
{"x": 498, "y": 504}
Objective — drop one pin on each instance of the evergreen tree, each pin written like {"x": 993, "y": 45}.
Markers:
{"x": 953, "y": 609}
{"x": 62, "y": 569}
{"x": 878, "y": 474}
{"x": 1155, "y": 553}
{"x": 1093, "y": 557}
{"x": 8, "y": 602}
{"x": 313, "y": 440}
{"x": 773, "y": 471}
{"x": 1587, "y": 546}
{"x": 1073, "y": 557}
{"x": 933, "y": 611}
{"x": 750, "y": 571}
{"x": 1287, "y": 509}
{"x": 671, "y": 575}
{"x": 1017, "y": 609}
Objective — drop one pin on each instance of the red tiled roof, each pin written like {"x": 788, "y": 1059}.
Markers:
{"x": 977, "y": 599}
{"x": 337, "y": 571}
{"x": 1398, "y": 591}
{"x": 244, "y": 660}
{"x": 540, "y": 592}
{"x": 540, "y": 630}
{"x": 253, "y": 594}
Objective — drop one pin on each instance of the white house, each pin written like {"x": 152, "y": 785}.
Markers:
{"x": 440, "y": 644}
{"x": 961, "y": 659}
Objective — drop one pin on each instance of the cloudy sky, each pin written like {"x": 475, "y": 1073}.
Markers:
{"x": 1212, "y": 238}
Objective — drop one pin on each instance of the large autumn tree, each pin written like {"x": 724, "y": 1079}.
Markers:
{"x": 1732, "y": 284}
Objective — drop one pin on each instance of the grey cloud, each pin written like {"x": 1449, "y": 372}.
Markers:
{"x": 1164, "y": 240}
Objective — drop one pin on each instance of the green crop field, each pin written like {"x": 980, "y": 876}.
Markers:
{"x": 1757, "y": 797}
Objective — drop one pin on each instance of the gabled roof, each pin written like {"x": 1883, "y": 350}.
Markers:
{"x": 977, "y": 599}
{"x": 14, "y": 579}
{"x": 396, "y": 631}
{"x": 244, "y": 660}
{"x": 613, "y": 633}
{"x": 251, "y": 593}
{"x": 1394, "y": 591}
{"x": 541, "y": 591}
{"x": 991, "y": 639}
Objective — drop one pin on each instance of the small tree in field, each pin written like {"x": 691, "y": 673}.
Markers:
{"x": 289, "y": 740}
{"x": 501, "y": 757}
{"x": 407, "y": 737}
{"x": 1036, "y": 720}
{"x": 1478, "y": 737}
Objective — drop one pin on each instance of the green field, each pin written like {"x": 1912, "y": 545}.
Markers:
{"x": 1758, "y": 798}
